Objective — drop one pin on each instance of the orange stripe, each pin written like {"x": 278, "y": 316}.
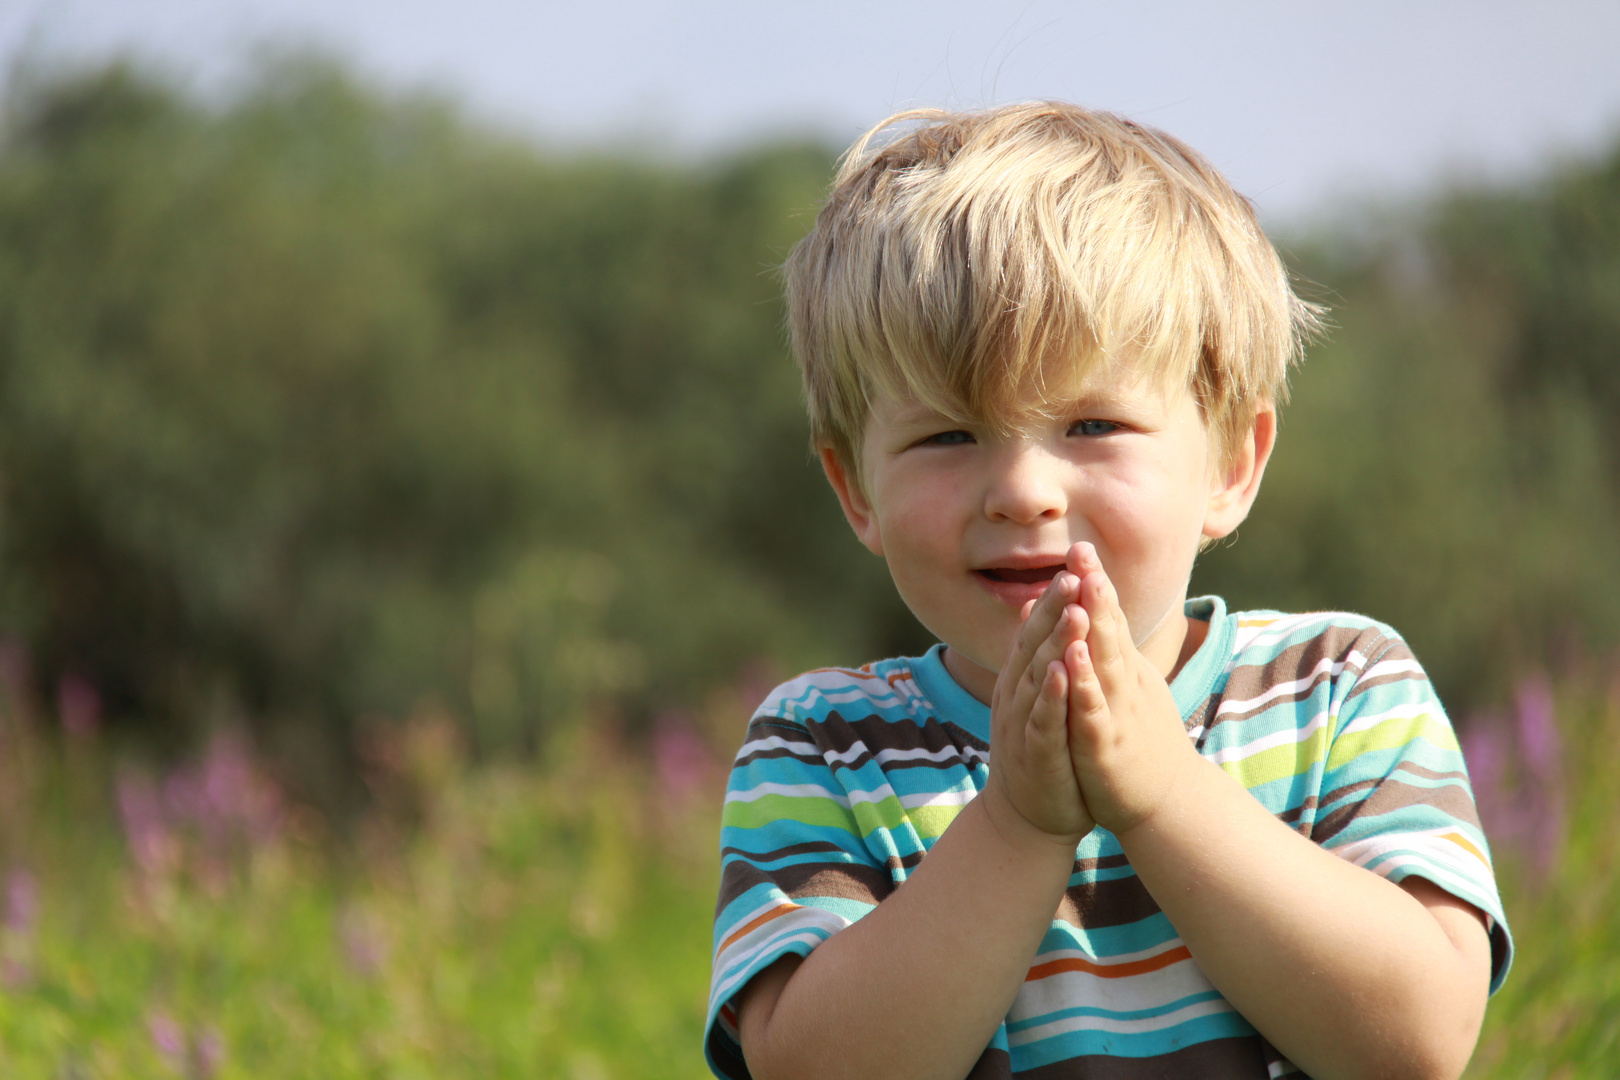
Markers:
{"x": 1109, "y": 971}
{"x": 854, "y": 673}
{"x": 756, "y": 922}
{"x": 1462, "y": 841}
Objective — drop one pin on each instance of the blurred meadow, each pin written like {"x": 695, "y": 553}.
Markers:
{"x": 399, "y": 521}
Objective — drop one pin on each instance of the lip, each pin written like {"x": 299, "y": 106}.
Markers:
{"x": 1017, "y": 593}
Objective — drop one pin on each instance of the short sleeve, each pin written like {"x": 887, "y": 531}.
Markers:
{"x": 1395, "y": 796}
{"x": 794, "y": 869}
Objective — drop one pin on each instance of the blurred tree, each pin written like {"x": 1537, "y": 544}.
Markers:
{"x": 1449, "y": 462}
{"x": 319, "y": 403}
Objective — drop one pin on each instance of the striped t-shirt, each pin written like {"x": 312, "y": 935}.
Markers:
{"x": 847, "y": 777}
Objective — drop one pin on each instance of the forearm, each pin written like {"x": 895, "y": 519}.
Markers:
{"x": 918, "y": 986}
{"x": 1344, "y": 972}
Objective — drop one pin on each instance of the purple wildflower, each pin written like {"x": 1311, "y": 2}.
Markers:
{"x": 169, "y": 1038}
{"x": 210, "y": 1052}
{"x": 1538, "y": 731}
{"x": 364, "y": 945}
{"x": 683, "y": 761}
{"x": 1516, "y": 770}
{"x": 145, "y": 830}
{"x": 22, "y": 902}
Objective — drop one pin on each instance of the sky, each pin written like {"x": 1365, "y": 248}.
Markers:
{"x": 1305, "y": 105}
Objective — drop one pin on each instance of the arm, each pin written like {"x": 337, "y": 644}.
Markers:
{"x": 1290, "y": 933}
{"x": 918, "y": 986}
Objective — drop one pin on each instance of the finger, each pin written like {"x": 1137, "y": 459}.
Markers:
{"x": 1082, "y": 558}
{"x": 1029, "y": 686}
{"x": 1088, "y": 704}
{"x": 1109, "y": 634}
{"x": 1048, "y": 719}
{"x": 1038, "y": 625}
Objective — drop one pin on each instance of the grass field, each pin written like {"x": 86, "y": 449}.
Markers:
{"x": 553, "y": 921}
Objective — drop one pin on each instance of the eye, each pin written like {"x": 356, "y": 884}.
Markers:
{"x": 1093, "y": 427}
{"x": 947, "y": 438}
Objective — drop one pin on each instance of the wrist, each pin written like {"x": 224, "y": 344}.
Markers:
{"x": 1183, "y": 784}
{"x": 1016, "y": 832}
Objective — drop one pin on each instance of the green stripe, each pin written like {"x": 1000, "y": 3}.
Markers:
{"x": 817, "y": 811}
{"x": 1392, "y": 734}
{"x": 1278, "y": 762}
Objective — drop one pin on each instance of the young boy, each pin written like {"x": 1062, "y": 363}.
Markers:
{"x": 1043, "y": 350}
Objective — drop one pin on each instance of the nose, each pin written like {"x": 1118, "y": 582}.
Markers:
{"x": 1025, "y": 486}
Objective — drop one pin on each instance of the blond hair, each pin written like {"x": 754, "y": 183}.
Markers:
{"x": 986, "y": 263}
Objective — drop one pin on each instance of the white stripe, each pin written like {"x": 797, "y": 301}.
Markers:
{"x": 723, "y": 988}
{"x": 1326, "y": 664}
{"x": 939, "y": 798}
{"x": 844, "y": 757}
{"x": 1212, "y": 1007}
{"x": 1392, "y": 667}
{"x": 796, "y": 791}
{"x": 1267, "y": 742}
{"x": 1428, "y": 843}
{"x": 1248, "y": 637}
{"x": 945, "y": 753}
{"x": 776, "y": 742}
{"x": 744, "y": 920}
{"x": 1113, "y": 958}
{"x": 1129, "y": 993}
{"x": 1404, "y": 711}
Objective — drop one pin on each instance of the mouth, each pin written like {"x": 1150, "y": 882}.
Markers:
{"x": 1017, "y": 585}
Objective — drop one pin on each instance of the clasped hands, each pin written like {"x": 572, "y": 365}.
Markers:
{"x": 1084, "y": 730}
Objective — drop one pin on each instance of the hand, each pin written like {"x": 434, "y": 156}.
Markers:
{"x": 1031, "y": 771}
{"x": 1126, "y": 739}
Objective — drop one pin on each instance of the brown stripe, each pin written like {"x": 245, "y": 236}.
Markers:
{"x": 1113, "y": 902}
{"x": 846, "y": 881}
{"x": 1394, "y": 649}
{"x": 1334, "y": 643}
{"x": 806, "y": 753}
{"x": 903, "y": 862}
{"x": 726, "y": 1054}
{"x": 1107, "y": 862}
{"x": 993, "y": 1064}
{"x": 837, "y": 734}
{"x": 1391, "y": 794}
{"x": 765, "y": 726}
{"x": 1236, "y": 1058}
{"x": 843, "y": 881}
{"x": 784, "y": 852}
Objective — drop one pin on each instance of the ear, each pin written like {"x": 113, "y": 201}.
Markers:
{"x": 857, "y": 508}
{"x": 1233, "y": 491}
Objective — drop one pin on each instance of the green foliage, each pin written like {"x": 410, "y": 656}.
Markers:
{"x": 493, "y": 920}
{"x": 1448, "y": 462}
{"x": 1558, "y": 1015}
{"x": 320, "y": 403}
{"x": 487, "y": 921}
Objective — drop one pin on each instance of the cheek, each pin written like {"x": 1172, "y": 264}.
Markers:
{"x": 918, "y": 516}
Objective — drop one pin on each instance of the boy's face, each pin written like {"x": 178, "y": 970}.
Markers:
{"x": 974, "y": 523}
